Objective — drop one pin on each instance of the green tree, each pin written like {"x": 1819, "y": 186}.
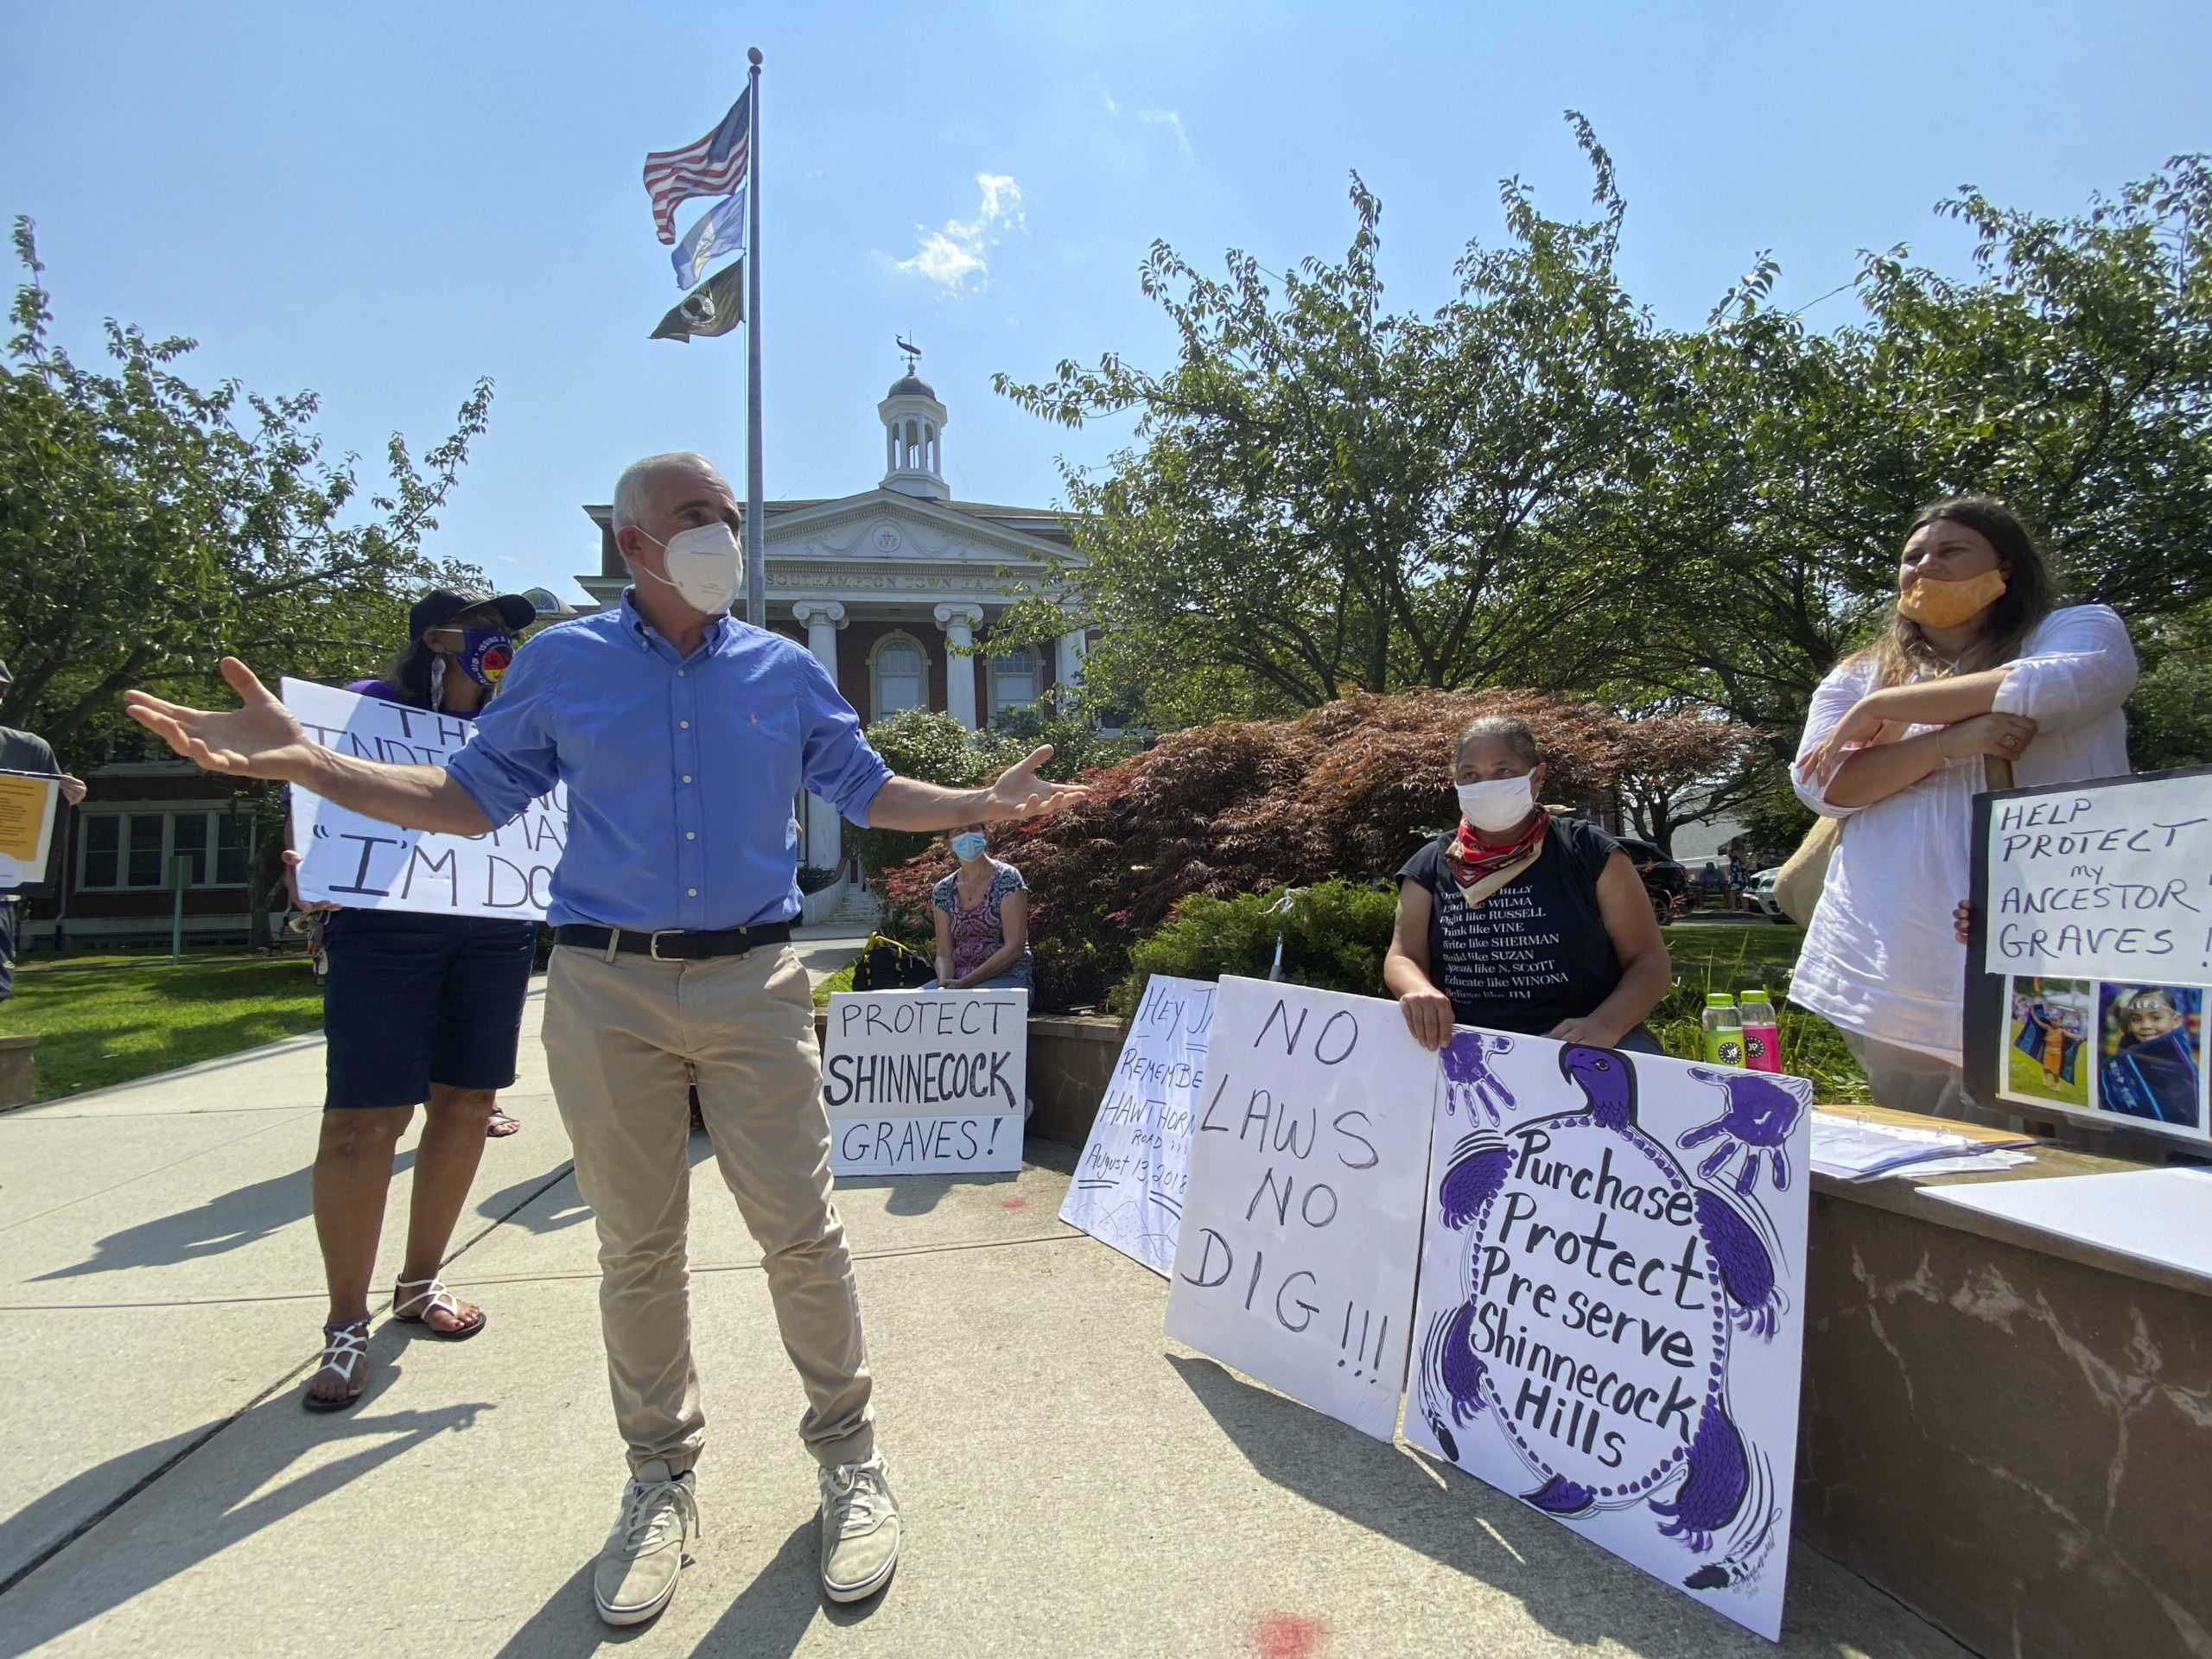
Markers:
{"x": 2070, "y": 374}
{"x": 147, "y": 527}
{"x": 1327, "y": 496}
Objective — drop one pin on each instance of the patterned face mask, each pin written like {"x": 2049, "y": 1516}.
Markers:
{"x": 485, "y": 654}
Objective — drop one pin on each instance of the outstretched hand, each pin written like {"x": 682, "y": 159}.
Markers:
{"x": 1019, "y": 793}
{"x": 259, "y": 739}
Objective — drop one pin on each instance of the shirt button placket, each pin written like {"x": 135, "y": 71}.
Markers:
{"x": 690, "y": 856}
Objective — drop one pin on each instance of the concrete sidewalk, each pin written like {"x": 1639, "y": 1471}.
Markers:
{"x": 1073, "y": 1484}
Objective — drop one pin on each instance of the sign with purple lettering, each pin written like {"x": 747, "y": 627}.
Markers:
{"x": 925, "y": 1081}
{"x": 1301, "y": 1218}
{"x": 346, "y": 859}
{"x": 1609, "y": 1323}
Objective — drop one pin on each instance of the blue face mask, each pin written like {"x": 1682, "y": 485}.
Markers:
{"x": 968, "y": 845}
{"x": 485, "y": 654}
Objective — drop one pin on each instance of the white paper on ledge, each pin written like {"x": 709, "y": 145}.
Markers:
{"x": 2159, "y": 1216}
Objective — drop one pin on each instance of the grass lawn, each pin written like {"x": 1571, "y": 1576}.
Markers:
{"x": 106, "y": 1019}
{"x": 1733, "y": 958}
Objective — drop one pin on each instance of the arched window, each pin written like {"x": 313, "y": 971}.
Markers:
{"x": 901, "y": 675}
{"x": 1013, "y": 680}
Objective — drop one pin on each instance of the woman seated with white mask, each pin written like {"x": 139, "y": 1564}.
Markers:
{"x": 1521, "y": 921}
{"x": 982, "y": 920}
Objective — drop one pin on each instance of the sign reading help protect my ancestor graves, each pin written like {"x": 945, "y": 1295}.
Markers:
{"x": 1301, "y": 1221}
{"x": 1128, "y": 1190}
{"x": 1610, "y": 1318}
{"x": 2094, "y": 906}
{"x": 356, "y": 861}
{"x": 925, "y": 1081}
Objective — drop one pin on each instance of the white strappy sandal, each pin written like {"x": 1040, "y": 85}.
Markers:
{"x": 425, "y": 1296}
{"x": 344, "y": 1348}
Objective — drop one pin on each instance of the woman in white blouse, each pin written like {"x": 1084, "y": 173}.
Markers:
{"x": 1978, "y": 661}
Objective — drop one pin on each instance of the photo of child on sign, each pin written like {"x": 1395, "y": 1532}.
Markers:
{"x": 2150, "y": 1047}
{"x": 2048, "y": 1030}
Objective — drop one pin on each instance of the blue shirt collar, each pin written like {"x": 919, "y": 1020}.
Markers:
{"x": 635, "y": 626}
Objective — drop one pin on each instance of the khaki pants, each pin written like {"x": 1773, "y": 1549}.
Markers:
{"x": 617, "y": 1035}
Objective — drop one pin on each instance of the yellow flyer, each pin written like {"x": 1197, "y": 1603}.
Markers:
{"x": 27, "y": 803}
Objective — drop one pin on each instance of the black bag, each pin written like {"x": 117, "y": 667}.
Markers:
{"x": 886, "y": 965}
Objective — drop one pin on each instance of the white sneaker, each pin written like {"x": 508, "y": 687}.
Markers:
{"x": 638, "y": 1568}
{"x": 860, "y": 1530}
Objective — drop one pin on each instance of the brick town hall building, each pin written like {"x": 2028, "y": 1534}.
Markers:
{"x": 884, "y": 587}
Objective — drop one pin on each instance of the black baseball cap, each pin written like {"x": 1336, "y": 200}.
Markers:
{"x": 440, "y": 605}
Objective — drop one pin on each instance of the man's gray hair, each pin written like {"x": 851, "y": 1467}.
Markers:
{"x": 1503, "y": 726}
{"x": 630, "y": 488}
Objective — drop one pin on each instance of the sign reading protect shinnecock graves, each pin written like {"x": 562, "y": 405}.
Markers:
{"x": 347, "y": 859}
{"x": 925, "y": 1081}
{"x": 1301, "y": 1221}
{"x": 1128, "y": 1190}
{"x": 1610, "y": 1318}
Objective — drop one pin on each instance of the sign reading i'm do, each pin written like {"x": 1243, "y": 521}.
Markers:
{"x": 1302, "y": 1220}
{"x": 925, "y": 1081}
{"x": 346, "y": 859}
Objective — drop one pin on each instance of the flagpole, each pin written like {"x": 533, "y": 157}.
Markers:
{"x": 756, "y": 540}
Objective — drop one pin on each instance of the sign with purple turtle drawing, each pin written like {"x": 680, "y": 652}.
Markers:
{"x": 1609, "y": 1318}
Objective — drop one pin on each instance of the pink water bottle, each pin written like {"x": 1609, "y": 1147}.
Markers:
{"x": 1762, "y": 1036}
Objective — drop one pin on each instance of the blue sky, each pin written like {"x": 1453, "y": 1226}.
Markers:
{"x": 382, "y": 202}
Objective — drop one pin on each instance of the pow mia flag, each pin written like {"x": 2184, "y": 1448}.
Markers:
{"x": 713, "y": 308}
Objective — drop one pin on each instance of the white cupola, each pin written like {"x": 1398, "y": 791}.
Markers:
{"x": 913, "y": 439}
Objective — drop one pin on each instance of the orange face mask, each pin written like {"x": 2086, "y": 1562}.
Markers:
{"x": 1947, "y": 604}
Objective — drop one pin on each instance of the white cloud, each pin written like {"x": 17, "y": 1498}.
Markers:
{"x": 1172, "y": 121}
{"x": 961, "y": 249}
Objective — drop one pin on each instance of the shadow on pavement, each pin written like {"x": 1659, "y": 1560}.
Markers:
{"x": 766, "y": 1621}
{"x": 245, "y": 1215}
{"x": 1573, "y": 1589}
{"x": 562, "y": 1206}
{"x": 230, "y": 1471}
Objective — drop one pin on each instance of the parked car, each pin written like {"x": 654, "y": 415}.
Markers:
{"x": 1760, "y": 895}
{"x": 1667, "y": 882}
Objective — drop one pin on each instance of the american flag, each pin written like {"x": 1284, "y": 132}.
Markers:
{"x": 713, "y": 166}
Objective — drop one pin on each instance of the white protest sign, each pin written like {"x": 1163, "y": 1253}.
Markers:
{"x": 1129, "y": 1184}
{"x": 2105, "y": 881}
{"x": 350, "y": 860}
{"x": 923, "y": 1082}
{"x": 1302, "y": 1217}
{"x": 1611, "y": 1309}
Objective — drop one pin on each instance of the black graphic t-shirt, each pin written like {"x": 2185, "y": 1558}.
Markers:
{"x": 1536, "y": 951}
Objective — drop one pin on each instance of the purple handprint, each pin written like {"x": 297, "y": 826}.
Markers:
{"x": 1467, "y": 1077}
{"x": 1761, "y": 1113}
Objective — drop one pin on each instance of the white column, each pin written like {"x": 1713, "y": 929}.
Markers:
{"x": 824, "y": 834}
{"x": 1067, "y": 664}
{"x": 959, "y": 622}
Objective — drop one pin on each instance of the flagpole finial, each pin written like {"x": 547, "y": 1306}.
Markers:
{"x": 753, "y": 56}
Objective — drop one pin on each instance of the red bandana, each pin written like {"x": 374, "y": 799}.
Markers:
{"x": 1471, "y": 860}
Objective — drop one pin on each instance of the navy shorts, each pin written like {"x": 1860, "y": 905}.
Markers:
{"x": 411, "y": 1000}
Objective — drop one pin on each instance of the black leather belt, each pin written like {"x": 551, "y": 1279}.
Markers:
{"x": 673, "y": 943}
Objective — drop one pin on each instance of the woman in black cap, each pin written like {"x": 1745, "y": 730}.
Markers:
{"x": 418, "y": 1010}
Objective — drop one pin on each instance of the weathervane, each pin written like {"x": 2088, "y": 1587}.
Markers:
{"x": 913, "y": 352}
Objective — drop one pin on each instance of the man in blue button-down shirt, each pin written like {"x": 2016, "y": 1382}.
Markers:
{"x": 682, "y": 737}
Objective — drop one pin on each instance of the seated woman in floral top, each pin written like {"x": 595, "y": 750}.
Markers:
{"x": 982, "y": 920}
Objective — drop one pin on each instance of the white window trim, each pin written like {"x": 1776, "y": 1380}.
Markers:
{"x": 1037, "y": 687}
{"x": 899, "y": 637}
{"x": 169, "y": 812}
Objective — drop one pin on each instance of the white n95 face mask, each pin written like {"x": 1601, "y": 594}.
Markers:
{"x": 705, "y": 565}
{"x": 1497, "y": 804}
